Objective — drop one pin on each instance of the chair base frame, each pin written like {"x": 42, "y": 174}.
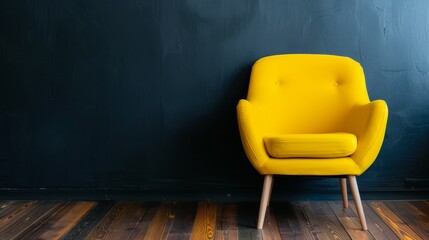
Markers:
{"x": 268, "y": 186}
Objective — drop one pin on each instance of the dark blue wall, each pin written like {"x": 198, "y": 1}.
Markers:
{"x": 141, "y": 95}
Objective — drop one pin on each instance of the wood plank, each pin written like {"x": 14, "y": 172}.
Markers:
{"x": 247, "y": 217}
{"x": 226, "y": 222}
{"x": 411, "y": 215}
{"x": 6, "y": 206}
{"x": 420, "y": 207}
{"x": 58, "y": 224}
{"x": 128, "y": 221}
{"x": 121, "y": 222}
{"x": 354, "y": 228}
{"x": 308, "y": 222}
{"x": 172, "y": 221}
{"x": 226, "y": 235}
{"x": 102, "y": 229}
{"x": 176, "y": 236}
{"x": 83, "y": 228}
{"x": 14, "y": 211}
{"x": 161, "y": 223}
{"x": 270, "y": 231}
{"x": 376, "y": 226}
{"x": 205, "y": 221}
{"x": 30, "y": 220}
{"x": 184, "y": 216}
{"x": 401, "y": 229}
{"x": 227, "y": 217}
{"x": 145, "y": 221}
{"x": 287, "y": 221}
{"x": 326, "y": 219}
{"x": 350, "y": 221}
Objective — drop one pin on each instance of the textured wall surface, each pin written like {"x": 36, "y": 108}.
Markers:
{"x": 140, "y": 94}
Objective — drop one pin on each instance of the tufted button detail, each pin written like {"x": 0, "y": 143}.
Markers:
{"x": 278, "y": 83}
{"x": 335, "y": 84}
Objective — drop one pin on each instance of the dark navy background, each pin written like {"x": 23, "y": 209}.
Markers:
{"x": 104, "y": 97}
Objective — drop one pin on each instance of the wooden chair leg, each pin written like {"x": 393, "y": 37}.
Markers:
{"x": 264, "y": 200}
{"x": 271, "y": 191}
{"x": 356, "y": 197}
{"x": 343, "y": 183}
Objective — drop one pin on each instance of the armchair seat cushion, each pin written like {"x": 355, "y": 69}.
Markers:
{"x": 325, "y": 145}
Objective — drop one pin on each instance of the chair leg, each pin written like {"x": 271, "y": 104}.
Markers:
{"x": 356, "y": 196}
{"x": 271, "y": 191}
{"x": 264, "y": 200}
{"x": 343, "y": 183}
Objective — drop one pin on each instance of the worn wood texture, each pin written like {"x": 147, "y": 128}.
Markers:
{"x": 61, "y": 222}
{"x": 270, "y": 231}
{"x": 308, "y": 222}
{"x": 124, "y": 220}
{"x": 399, "y": 227}
{"x": 416, "y": 218}
{"x": 247, "y": 218}
{"x": 323, "y": 216}
{"x": 29, "y": 218}
{"x": 209, "y": 220}
{"x": 89, "y": 221}
{"x": 376, "y": 226}
{"x": 183, "y": 218}
{"x": 205, "y": 221}
{"x": 226, "y": 223}
{"x": 288, "y": 221}
{"x": 419, "y": 215}
{"x": 160, "y": 223}
{"x": 12, "y": 211}
{"x": 350, "y": 221}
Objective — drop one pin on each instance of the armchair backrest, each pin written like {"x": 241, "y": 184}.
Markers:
{"x": 306, "y": 93}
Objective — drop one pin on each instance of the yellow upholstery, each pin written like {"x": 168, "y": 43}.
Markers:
{"x": 323, "y": 145}
{"x": 310, "y": 94}
{"x": 310, "y": 115}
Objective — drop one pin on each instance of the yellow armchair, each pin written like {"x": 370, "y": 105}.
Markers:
{"x": 310, "y": 115}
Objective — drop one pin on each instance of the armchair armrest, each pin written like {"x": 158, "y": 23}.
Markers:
{"x": 368, "y": 122}
{"x": 253, "y": 127}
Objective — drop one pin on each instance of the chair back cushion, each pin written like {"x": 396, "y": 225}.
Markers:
{"x": 306, "y": 93}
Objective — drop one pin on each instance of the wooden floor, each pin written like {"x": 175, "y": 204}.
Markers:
{"x": 208, "y": 220}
